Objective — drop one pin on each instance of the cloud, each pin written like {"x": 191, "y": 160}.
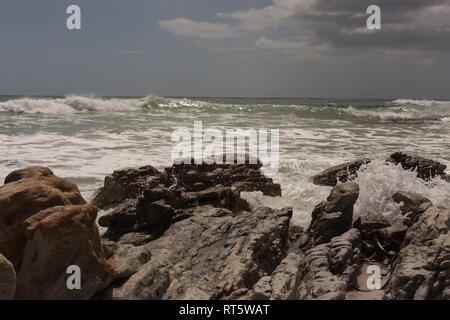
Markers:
{"x": 201, "y": 30}
{"x": 417, "y": 27}
{"x": 296, "y": 47}
{"x": 135, "y": 52}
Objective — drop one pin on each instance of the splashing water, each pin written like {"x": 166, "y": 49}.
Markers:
{"x": 379, "y": 181}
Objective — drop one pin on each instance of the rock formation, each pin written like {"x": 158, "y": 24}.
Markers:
{"x": 335, "y": 216}
{"x": 186, "y": 233}
{"x": 413, "y": 205}
{"x": 7, "y": 279}
{"x": 422, "y": 269}
{"x": 210, "y": 255}
{"x": 340, "y": 173}
{"x": 199, "y": 209}
{"x": 45, "y": 227}
{"x": 426, "y": 168}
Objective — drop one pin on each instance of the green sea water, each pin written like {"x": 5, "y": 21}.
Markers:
{"x": 85, "y": 138}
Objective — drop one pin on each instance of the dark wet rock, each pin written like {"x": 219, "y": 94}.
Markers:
{"x": 413, "y": 205}
{"x": 126, "y": 184}
{"x": 122, "y": 218}
{"x": 333, "y": 217}
{"x": 379, "y": 236}
{"x": 329, "y": 268}
{"x": 7, "y": 279}
{"x": 371, "y": 222}
{"x": 130, "y": 183}
{"x": 422, "y": 269}
{"x": 154, "y": 215}
{"x": 426, "y": 168}
{"x": 391, "y": 238}
{"x": 339, "y": 173}
{"x": 296, "y": 232}
{"x": 211, "y": 255}
{"x": 172, "y": 197}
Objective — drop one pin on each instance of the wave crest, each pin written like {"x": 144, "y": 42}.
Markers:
{"x": 68, "y": 105}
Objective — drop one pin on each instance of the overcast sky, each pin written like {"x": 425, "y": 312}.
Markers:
{"x": 253, "y": 48}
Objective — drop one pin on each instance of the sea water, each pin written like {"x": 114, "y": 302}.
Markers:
{"x": 84, "y": 138}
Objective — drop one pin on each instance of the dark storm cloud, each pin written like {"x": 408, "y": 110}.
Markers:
{"x": 406, "y": 24}
{"x": 421, "y": 25}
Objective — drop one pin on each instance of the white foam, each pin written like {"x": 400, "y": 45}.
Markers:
{"x": 379, "y": 181}
{"x": 427, "y": 103}
{"x": 298, "y": 191}
{"x": 68, "y": 105}
{"x": 403, "y": 109}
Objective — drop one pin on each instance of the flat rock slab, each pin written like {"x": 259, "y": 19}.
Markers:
{"x": 210, "y": 255}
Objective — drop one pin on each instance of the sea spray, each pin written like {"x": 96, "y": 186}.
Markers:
{"x": 379, "y": 181}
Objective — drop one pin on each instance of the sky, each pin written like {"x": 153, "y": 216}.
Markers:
{"x": 226, "y": 48}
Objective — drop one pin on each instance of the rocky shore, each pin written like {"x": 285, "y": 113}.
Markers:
{"x": 186, "y": 233}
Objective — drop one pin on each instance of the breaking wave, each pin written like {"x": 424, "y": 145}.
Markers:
{"x": 395, "y": 111}
{"x": 67, "y": 105}
{"x": 379, "y": 181}
{"x": 407, "y": 111}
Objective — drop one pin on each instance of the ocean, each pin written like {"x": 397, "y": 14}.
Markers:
{"x": 84, "y": 138}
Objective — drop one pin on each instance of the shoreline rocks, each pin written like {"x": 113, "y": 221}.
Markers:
{"x": 340, "y": 173}
{"x": 190, "y": 178}
{"x": 198, "y": 208}
{"x": 335, "y": 216}
{"x": 211, "y": 255}
{"x": 426, "y": 168}
{"x": 186, "y": 233}
{"x": 7, "y": 279}
{"x": 422, "y": 268}
{"x": 45, "y": 227}
{"x": 413, "y": 205}
{"x": 28, "y": 192}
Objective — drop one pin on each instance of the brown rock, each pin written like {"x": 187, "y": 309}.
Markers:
{"x": 34, "y": 189}
{"x": 45, "y": 227}
{"x": 7, "y": 279}
{"x": 57, "y": 238}
{"x": 127, "y": 259}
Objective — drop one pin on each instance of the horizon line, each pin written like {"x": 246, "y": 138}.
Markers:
{"x": 214, "y": 97}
